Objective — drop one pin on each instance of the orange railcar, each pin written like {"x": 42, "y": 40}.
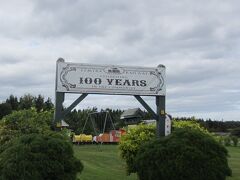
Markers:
{"x": 111, "y": 137}
{"x": 103, "y": 138}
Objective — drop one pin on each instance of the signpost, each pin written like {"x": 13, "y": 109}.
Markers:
{"x": 111, "y": 79}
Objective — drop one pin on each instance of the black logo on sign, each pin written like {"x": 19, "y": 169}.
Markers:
{"x": 114, "y": 70}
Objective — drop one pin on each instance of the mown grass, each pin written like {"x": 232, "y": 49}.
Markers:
{"x": 101, "y": 163}
{"x": 104, "y": 163}
{"x": 234, "y": 162}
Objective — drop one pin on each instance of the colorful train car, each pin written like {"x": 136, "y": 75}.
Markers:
{"x": 103, "y": 138}
{"x": 82, "y": 138}
{"x": 108, "y": 137}
{"x": 111, "y": 137}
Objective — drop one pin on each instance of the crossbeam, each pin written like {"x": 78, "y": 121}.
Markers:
{"x": 74, "y": 104}
{"x": 146, "y": 106}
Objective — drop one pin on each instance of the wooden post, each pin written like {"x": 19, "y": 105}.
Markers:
{"x": 160, "y": 103}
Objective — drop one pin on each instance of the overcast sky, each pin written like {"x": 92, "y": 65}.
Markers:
{"x": 197, "y": 41}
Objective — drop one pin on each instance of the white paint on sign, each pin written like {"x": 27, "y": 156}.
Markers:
{"x": 110, "y": 79}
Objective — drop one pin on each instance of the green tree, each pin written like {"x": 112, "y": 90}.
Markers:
{"x": 234, "y": 140}
{"x": 37, "y": 156}
{"x": 76, "y": 120}
{"x": 26, "y": 101}
{"x": 24, "y": 122}
{"x": 39, "y": 103}
{"x": 5, "y": 109}
{"x": 130, "y": 143}
{"x": 227, "y": 141}
{"x": 13, "y": 101}
{"x": 48, "y": 105}
{"x": 236, "y": 132}
{"x": 186, "y": 154}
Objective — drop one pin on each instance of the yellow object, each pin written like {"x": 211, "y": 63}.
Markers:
{"x": 58, "y": 125}
{"x": 82, "y": 138}
{"x": 162, "y": 112}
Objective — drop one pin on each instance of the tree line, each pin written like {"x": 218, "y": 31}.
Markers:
{"x": 27, "y": 101}
{"x": 212, "y": 125}
{"x": 77, "y": 118}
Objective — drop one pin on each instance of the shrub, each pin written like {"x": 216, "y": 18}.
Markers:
{"x": 130, "y": 143}
{"x": 189, "y": 125}
{"x": 227, "y": 141}
{"x": 37, "y": 156}
{"x": 234, "y": 140}
{"x": 184, "y": 155}
{"x": 24, "y": 122}
{"x": 219, "y": 139}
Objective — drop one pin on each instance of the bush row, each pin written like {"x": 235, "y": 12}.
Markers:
{"x": 190, "y": 152}
{"x": 30, "y": 150}
{"x": 228, "y": 140}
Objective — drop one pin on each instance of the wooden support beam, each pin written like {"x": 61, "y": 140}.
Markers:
{"x": 74, "y": 104}
{"x": 146, "y": 106}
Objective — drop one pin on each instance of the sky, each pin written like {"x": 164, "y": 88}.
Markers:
{"x": 197, "y": 41}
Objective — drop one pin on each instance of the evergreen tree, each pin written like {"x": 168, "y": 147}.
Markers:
{"x": 26, "y": 101}
{"x": 48, "y": 105}
{"x": 5, "y": 109}
{"x": 13, "y": 101}
{"x": 39, "y": 103}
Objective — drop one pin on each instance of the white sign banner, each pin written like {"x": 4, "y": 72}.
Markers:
{"x": 110, "y": 79}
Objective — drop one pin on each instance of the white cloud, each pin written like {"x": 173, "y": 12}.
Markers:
{"x": 198, "y": 41}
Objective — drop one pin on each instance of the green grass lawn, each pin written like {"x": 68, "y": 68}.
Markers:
{"x": 234, "y": 162}
{"x": 101, "y": 163}
{"x": 104, "y": 163}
